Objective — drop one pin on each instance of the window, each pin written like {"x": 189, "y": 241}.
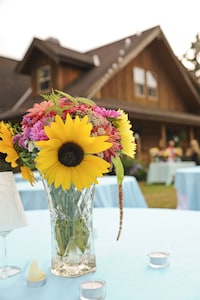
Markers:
{"x": 145, "y": 83}
{"x": 44, "y": 78}
{"x": 151, "y": 82}
{"x": 139, "y": 81}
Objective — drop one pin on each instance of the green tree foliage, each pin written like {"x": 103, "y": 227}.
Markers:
{"x": 191, "y": 59}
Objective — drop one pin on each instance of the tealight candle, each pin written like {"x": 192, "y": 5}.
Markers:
{"x": 36, "y": 277}
{"x": 158, "y": 259}
{"x": 93, "y": 290}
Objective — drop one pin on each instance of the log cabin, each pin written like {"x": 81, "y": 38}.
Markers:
{"x": 139, "y": 74}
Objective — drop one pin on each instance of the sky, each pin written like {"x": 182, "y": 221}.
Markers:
{"x": 86, "y": 24}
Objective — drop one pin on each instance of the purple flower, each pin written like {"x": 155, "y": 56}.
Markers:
{"x": 37, "y": 132}
{"x": 135, "y": 168}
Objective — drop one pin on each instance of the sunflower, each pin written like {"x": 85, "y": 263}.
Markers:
{"x": 127, "y": 137}
{"x": 6, "y": 145}
{"x": 69, "y": 156}
{"x": 27, "y": 174}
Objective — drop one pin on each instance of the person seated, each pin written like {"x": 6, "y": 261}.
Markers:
{"x": 193, "y": 152}
{"x": 171, "y": 151}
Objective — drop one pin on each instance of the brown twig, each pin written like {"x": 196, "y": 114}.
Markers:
{"x": 121, "y": 210}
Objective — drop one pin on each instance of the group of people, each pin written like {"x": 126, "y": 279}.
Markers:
{"x": 172, "y": 153}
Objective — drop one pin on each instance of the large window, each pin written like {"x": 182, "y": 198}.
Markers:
{"x": 145, "y": 83}
{"x": 44, "y": 78}
{"x": 139, "y": 81}
{"x": 151, "y": 82}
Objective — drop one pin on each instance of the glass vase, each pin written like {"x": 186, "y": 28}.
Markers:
{"x": 72, "y": 242}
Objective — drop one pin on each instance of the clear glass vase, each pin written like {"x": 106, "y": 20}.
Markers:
{"x": 71, "y": 216}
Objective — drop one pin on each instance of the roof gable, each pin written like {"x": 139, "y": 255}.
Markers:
{"x": 121, "y": 52}
{"x": 57, "y": 53}
{"x": 115, "y": 56}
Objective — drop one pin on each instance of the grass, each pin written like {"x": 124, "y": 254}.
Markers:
{"x": 159, "y": 195}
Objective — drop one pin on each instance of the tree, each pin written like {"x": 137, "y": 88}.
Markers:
{"x": 191, "y": 59}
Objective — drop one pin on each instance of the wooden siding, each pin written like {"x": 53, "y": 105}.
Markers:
{"x": 150, "y": 134}
{"x": 61, "y": 75}
{"x": 121, "y": 86}
{"x": 67, "y": 75}
{"x": 39, "y": 61}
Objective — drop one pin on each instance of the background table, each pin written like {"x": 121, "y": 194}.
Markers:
{"x": 187, "y": 184}
{"x": 123, "y": 264}
{"x": 105, "y": 193}
{"x": 164, "y": 172}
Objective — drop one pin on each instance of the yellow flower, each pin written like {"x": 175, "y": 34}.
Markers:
{"x": 27, "y": 174}
{"x": 127, "y": 137}
{"x": 68, "y": 156}
{"x": 178, "y": 151}
{"x": 154, "y": 151}
{"x": 6, "y": 145}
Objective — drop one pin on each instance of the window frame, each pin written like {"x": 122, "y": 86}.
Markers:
{"x": 43, "y": 78}
{"x": 154, "y": 95}
{"x": 143, "y": 83}
{"x": 139, "y": 87}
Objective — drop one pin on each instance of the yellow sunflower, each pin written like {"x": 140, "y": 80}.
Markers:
{"x": 27, "y": 174}
{"x": 127, "y": 137}
{"x": 68, "y": 156}
{"x": 6, "y": 145}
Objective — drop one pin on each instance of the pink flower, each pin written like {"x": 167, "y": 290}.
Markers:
{"x": 108, "y": 113}
{"x": 39, "y": 111}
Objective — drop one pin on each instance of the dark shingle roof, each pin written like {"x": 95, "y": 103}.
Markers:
{"x": 13, "y": 86}
{"x": 111, "y": 56}
{"x": 57, "y": 53}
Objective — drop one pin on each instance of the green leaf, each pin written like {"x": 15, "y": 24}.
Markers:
{"x": 85, "y": 100}
{"x": 72, "y": 99}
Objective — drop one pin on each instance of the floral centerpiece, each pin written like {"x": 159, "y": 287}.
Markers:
{"x": 154, "y": 152}
{"x": 178, "y": 153}
{"x": 174, "y": 154}
{"x": 71, "y": 142}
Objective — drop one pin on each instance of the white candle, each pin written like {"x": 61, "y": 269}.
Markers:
{"x": 92, "y": 290}
{"x": 159, "y": 259}
{"x": 92, "y": 285}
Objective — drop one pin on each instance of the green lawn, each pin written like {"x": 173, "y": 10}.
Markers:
{"x": 159, "y": 195}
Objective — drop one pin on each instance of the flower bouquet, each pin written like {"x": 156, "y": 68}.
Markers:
{"x": 71, "y": 142}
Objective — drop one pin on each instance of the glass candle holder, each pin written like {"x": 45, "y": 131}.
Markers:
{"x": 93, "y": 290}
{"x": 158, "y": 259}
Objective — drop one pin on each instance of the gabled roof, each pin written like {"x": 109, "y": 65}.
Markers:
{"x": 112, "y": 57}
{"x": 115, "y": 56}
{"x": 56, "y": 52}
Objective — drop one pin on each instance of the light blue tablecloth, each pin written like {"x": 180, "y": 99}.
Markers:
{"x": 123, "y": 264}
{"x": 187, "y": 184}
{"x": 164, "y": 172}
{"x": 105, "y": 193}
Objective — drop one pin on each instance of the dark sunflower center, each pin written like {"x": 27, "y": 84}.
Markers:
{"x": 70, "y": 154}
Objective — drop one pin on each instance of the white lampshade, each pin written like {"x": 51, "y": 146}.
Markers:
{"x": 12, "y": 214}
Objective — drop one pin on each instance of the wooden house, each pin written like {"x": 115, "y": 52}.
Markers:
{"x": 139, "y": 74}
